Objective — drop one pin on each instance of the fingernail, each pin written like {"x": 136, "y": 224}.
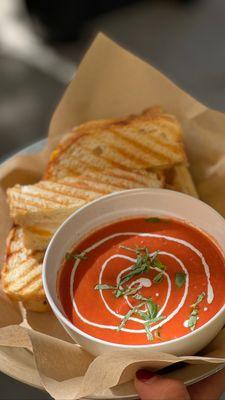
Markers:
{"x": 144, "y": 375}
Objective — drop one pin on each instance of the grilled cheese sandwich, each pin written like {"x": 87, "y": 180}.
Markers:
{"x": 21, "y": 273}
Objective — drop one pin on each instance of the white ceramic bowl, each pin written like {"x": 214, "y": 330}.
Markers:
{"x": 131, "y": 203}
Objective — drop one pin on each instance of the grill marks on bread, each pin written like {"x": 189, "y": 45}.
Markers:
{"x": 72, "y": 192}
{"x": 151, "y": 140}
{"x": 21, "y": 273}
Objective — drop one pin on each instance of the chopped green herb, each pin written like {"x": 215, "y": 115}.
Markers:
{"x": 147, "y": 325}
{"x": 76, "y": 256}
{"x": 104, "y": 287}
{"x": 119, "y": 293}
{"x": 158, "y": 278}
{"x": 193, "y": 319}
{"x": 136, "y": 250}
{"x": 133, "y": 273}
{"x": 128, "y": 315}
{"x": 140, "y": 297}
{"x": 180, "y": 279}
{"x": 126, "y": 318}
{"x": 143, "y": 315}
{"x": 199, "y": 300}
{"x": 144, "y": 262}
{"x": 152, "y": 309}
{"x": 153, "y": 219}
{"x": 158, "y": 264}
{"x": 142, "y": 265}
{"x": 126, "y": 292}
{"x": 149, "y": 333}
{"x": 154, "y": 256}
{"x": 68, "y": 257}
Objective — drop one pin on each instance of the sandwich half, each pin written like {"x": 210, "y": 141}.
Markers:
{"x": 152, "y": 140}
{"x": 40, "y": 208}
{"x": 21, "y": 273}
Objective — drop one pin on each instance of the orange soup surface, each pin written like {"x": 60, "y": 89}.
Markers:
{"x": 142, "y": 281}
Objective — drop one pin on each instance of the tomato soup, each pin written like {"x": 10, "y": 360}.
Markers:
{"x": 142, "y": 281}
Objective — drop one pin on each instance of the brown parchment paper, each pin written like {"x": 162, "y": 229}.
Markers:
{"x": 110, "y": 82}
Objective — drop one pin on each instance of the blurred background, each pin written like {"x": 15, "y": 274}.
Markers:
{"x": 43, "y": 41}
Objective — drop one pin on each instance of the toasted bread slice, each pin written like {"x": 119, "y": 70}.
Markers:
{"x": 42, "y": 207}
{"x": 181, "y": 181}
{"x": 21, "y": 273}
{"x": 148, "y": 141}
{"x": 37, "y": 239}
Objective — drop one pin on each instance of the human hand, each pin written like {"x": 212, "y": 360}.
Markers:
{"x": 154, "y": 387}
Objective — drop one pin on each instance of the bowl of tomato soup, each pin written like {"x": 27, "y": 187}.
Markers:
{"x": 142, "y": 269}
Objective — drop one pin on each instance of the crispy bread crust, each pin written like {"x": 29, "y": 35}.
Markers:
{"x": 21, "y": 273}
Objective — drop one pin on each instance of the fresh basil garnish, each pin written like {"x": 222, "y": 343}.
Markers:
{"x": 180, "y": 279}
